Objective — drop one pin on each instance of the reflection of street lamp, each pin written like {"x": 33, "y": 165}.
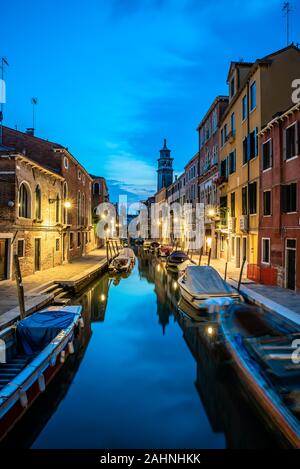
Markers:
{"x": 209, "y": 241}
{"x": 102, "y": 297}
{"x": 211, "y": 212}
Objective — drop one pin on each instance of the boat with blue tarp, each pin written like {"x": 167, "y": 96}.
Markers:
{"x": 32, "y": 352}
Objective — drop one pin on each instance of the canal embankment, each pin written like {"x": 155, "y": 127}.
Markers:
{"x": 43, "y": 287}
{"x": 281, "y": 301}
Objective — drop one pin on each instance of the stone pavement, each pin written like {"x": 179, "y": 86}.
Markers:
{"x": 280, "y": 300}
{"x": 35, "y": 282}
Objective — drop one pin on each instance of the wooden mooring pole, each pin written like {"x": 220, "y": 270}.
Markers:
{"x": 209, "y": 256}
{"x": 20, "y": 288}
{"x": 241, "y": 273}
{"x": 200, "y": 255}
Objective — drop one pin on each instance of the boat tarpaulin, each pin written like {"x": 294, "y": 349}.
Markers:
{"x": 205, "y": 280}
{"x": 36, "y": 331}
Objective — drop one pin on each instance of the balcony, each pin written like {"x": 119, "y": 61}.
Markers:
{"x": 231, "y": 136}
{"x": 222, "y": 180}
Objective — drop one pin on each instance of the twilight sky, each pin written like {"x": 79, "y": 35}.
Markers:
{"x": 114, "y": 77}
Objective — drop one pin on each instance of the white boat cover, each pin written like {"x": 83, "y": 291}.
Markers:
{"x": 205, "y": 280}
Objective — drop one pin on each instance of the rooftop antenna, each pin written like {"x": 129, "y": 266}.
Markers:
{"x": 34, "y": 102}
{"x": 286, "y": 8}
{"x": 2, "y": 95}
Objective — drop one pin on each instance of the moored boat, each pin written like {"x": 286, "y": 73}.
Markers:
{"x": 33, "y": 351}
{"x": 129, "y": 253}
{"x": 120, "y": 263}
{"x": 205, "y": 290}
{"x": 146, "y": 245}
{"x": 261, "y": 348}
{"x": 178, "y": 261}
{"x": 165, "y": 251}
{"x": 154, "y": 246}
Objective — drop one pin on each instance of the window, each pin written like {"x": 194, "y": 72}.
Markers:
{"x": 232, "y": 87}
{"x": 38, "y": 203}
{"x": 253, "y": 96}
{"x": 265, "y": 250}
{"x": 244, "y": 201}
{"x": 222, "y": 138}
{"x": 232, "y": 120}
{"x": 57, "y": 244}
{"x": 24, "y": 201}
{"x": 65, "y": 197}
{"x": 57, "y": 208}
{"x": 267, "y": 154}
{"x": 21, "y": 248}
{"x": 78, "y": 239}
{"x": 223, "y": 169}
{"x": 290, "y": 142}
{"x": 79, "y": 208}
{"x": 289, "y": 198}
{"x": 232, "y": 162}
{"x": 232, "y": 204}
{"x": 245, "y": 151}
{"x": 244, "y": 107}
{"x": 252, "y": 198}
{"x": 267, "y": 203}
{"x": 79, "y": 174}
{"x": 66, "y": 162}
{"x": 71, "y": 240}
{"x": 253, "y": 144}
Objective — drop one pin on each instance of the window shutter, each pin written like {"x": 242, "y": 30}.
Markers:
{"x": 284, "y": 144}
{"x": 297, "y": 138}
{"x": 271, "y": 153}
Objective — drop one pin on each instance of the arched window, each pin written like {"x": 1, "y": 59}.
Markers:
{"x": 79, "y": 208}
{"x": 24, "y": 201}
{"x": 96, "y": 188}
{"x": 65, "y": 198}
{"x": 57, "y": 209}
{"x": 38, "y": 203}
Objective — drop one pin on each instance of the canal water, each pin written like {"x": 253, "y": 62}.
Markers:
{"x": 143, "y": 378}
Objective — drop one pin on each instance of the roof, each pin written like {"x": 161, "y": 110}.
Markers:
{"x": 36, "y": 148}
{"x": 32, "y": 163}
{"x": 267, "y": 60}
{"x": 196, "y": 155}
{"x": 280, "y": 117}
{"x": 213, "y": 105}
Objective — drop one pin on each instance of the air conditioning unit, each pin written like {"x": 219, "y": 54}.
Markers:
{"x": 232, "y": 224}
{"x": 244, "y": 223}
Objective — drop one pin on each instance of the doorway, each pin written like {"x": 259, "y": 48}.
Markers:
{"x": 238, "y": 252}
{"x": 3, "y": 259}
{"x": 64, "y": 247}
{"x": 37, "y": 254}
{"x": 290, "y": 255}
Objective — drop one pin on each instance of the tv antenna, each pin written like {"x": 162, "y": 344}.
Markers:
{"x": 286, "y": 8}
{"x": 34, "y": 102}
{"x": 2, "y": 95}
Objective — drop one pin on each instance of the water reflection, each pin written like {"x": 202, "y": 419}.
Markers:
{"x": 135, "y": 382}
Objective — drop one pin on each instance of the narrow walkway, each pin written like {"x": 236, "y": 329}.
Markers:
{"x": 34, "y": 284}
{"x": 280, "y": 300}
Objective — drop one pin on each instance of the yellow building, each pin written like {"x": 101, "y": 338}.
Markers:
{"x": 257, "y": 91}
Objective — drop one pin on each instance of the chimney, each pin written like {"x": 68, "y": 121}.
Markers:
{"x": 30, "y": 131}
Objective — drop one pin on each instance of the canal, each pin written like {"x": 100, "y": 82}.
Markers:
{"x": 143, "y": 377}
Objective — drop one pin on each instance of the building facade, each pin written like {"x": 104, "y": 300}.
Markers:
{"x": 208, "y": 131}
{"x": 45, "y": 204}
{"x": 279, "y": 227}
{"x": 254, "y": 98}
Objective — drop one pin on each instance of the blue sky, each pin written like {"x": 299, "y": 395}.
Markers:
{"x": 114, "y": 77}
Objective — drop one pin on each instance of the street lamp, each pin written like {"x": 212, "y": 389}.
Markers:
{"x": 67, "y": 204}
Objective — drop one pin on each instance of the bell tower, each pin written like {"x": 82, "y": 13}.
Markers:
{"x": 165, "y": 168}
